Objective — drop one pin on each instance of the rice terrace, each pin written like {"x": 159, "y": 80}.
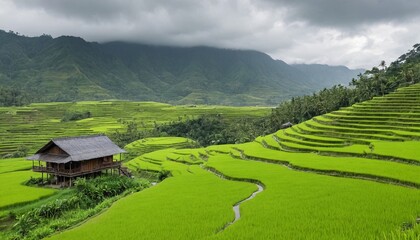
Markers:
{"x": 357, "y": 169}
{"x": 166, "y": 124}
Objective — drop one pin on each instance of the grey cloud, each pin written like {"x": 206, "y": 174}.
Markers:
{"x": 348, "y": 13}
{"x": 106, "y": 10}
{"x": 352, "y": 32}
{"x": 172, "y": 19}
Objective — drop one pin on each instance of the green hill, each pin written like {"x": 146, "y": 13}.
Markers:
{"x": 70, "y": 69}
{"x": 349, "y": 174}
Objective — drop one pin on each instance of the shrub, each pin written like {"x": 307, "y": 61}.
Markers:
{"x": 164, "y": 174}
{"x": 89, "y": 194}
{"x": 21, "y": 151}
{"x": 76, "y": 115}
{"x": 33, "y": 181}
{"x": 97, "y": 189}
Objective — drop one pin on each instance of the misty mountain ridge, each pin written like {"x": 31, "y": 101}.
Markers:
{"x": 70, "y": 69}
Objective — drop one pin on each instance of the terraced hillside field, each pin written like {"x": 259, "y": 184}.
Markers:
{"x": 146, "y": 145}
{"x": 35, "y": 124}
{"x": 350, "y": 174}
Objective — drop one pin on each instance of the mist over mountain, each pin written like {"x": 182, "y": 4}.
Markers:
{"x": 70, "y": 69}
{"x": 335, "y": 74}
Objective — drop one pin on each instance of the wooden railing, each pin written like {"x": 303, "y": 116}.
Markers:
{"x": 75, "y": 171}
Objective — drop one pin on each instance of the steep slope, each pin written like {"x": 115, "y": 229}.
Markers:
{"x": 69, "y": 68}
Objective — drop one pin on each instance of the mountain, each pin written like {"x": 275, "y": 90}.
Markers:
{"x": 326, "y": 75}
{"x": 69, "y": 68}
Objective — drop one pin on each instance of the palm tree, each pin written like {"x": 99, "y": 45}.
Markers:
{"x": 383, "y": 65}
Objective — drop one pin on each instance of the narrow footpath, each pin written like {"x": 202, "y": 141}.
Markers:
{"x": 236, "y": 207}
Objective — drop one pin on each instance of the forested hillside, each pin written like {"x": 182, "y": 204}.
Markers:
{"x": 378, "y": 81}
{"x": 71, "y": 69}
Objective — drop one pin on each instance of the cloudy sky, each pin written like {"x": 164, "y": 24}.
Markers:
{"x": 355, "y": 33}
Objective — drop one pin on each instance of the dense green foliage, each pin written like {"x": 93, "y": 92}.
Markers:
{"x": 130, "y": 133}
{"x": 21, "y": 151}
{"x": 215, "y": 129}
{"x": 95, "y": 190}
{"x": 12, "y": 97}
{"x": 88, "y": 194}
{"x": 74, "y": 116}
{"x": 69, "y": 68}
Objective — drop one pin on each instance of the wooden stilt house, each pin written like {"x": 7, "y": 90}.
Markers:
{"x": 67, "y": 158}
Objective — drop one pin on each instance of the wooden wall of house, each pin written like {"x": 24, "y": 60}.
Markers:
{"x": 89, "y": 165}
{"x": 92, "y": 164}
{"x": 83, "y": 166}
{"x": 52, "y": 165}
{"x": 108, "y": 160}
{"x": 55, "y": 150}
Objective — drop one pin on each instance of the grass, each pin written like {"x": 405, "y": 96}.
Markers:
{"x": 189, "y": 206}
{"x": 372, "y": 167}
{"x": 14, "y": 164}
{"x": 298, "y": 205}
{"x": 407, "y": 149}
{"x": 13, "y": 192}
{"x": 294, "y": 199}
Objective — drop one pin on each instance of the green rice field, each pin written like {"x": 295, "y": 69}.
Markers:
{"x": 350, "y": 174}
{"x": 37, "y": 123}
{"x": 14, "y": 192}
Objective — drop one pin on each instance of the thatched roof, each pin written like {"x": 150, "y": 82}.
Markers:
{"x": 77, "y": 149}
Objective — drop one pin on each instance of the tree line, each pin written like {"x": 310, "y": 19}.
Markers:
{"x": 13, "y": 97}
